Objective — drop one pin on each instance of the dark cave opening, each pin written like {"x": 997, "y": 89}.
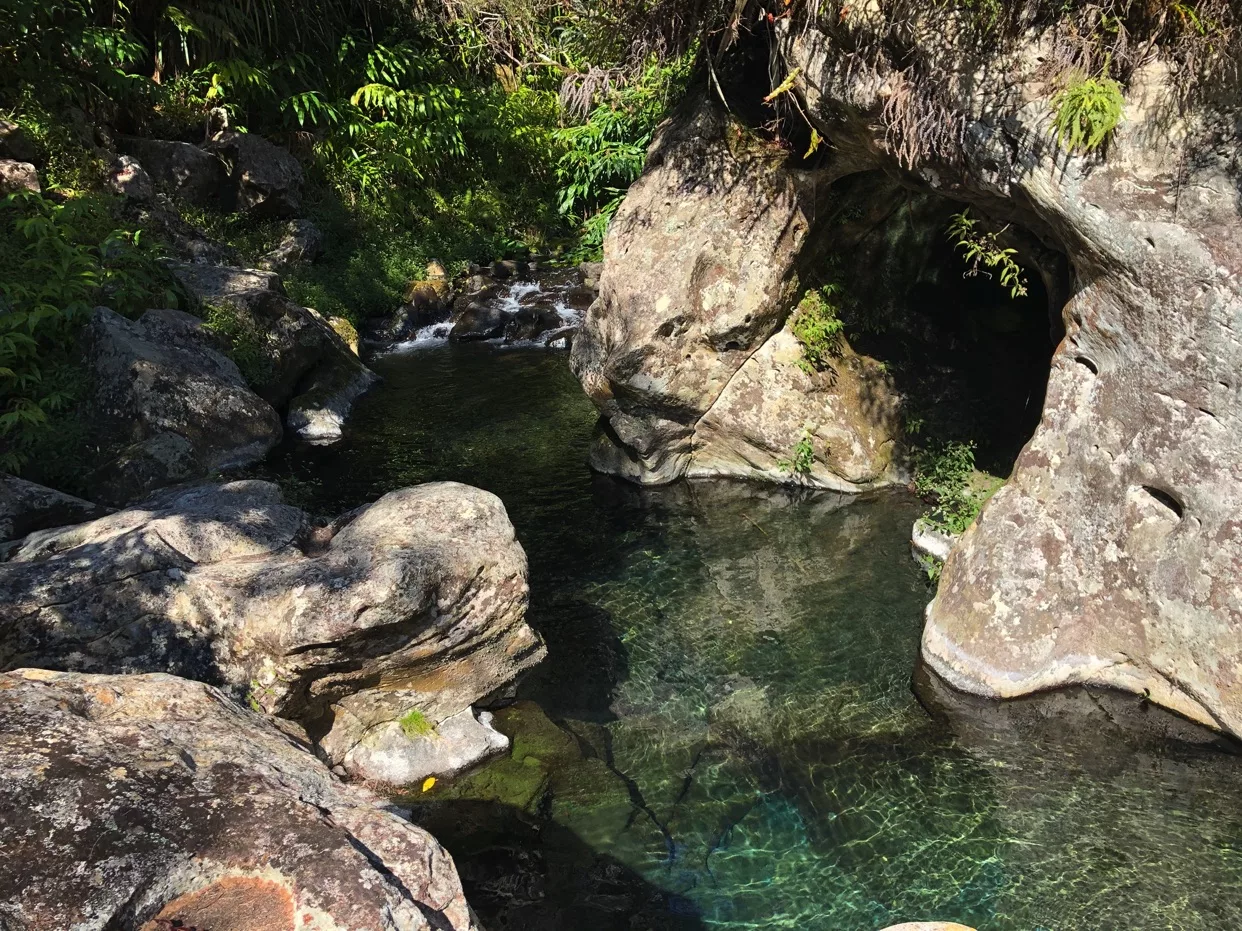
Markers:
{"x": 970, "y": 360}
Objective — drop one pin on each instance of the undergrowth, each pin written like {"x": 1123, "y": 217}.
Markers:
{"x": 817, "y": 326}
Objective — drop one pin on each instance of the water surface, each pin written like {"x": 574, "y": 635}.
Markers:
{"x": 725, "y": 735}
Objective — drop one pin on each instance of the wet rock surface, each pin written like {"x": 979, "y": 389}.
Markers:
{"x": 150, "y": 802}
{"x": 422, "y": 594}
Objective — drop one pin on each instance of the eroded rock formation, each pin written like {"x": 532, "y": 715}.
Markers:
{"x": 1112, "y": 555}
{"x": 413, "y": 604}
{"x": 150, "y": 802}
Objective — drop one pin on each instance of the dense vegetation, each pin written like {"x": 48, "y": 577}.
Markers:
{"x": 451, "y": 132}
{"x": 455, "y": 130}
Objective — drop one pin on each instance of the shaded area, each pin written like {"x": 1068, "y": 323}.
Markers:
{"x": 970, "y": 359}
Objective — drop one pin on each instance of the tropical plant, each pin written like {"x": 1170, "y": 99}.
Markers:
{"x": 982, "y": 250}
{"x": 57, "y": 263}
{"x": 802, "y": 457}
{"x": 1087, "y": 112}
{"x": 817, "y": 326}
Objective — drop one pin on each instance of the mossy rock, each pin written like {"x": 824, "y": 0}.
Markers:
{"x": 504, "y": 781}
{"x": 535, "y": 735}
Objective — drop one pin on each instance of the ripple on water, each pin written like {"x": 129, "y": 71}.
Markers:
{"x": 739, "y": 744}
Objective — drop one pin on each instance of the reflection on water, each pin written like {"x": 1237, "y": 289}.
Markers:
{"x": 725, "y": 733}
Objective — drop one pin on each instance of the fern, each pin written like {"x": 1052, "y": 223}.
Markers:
{"x": 1087, "y": 112}
{"x": 818, "y": 327}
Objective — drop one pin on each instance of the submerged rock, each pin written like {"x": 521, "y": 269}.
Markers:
{"x": 161, "y": 386}
{"x": 417, "y": 601}
{"x": 151, "y": 802}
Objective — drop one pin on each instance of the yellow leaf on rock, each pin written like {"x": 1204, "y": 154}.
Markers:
{"x": 429, "y": 783}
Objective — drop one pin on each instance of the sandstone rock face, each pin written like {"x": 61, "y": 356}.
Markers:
{"x": 687, "y": 353}
{"x": 308, "y": 370}
{"x": 179, "y": 168}
{"x": 159, "y": 379}
{"x": 26, "y": 507}
{"x": 417, "y": 601}
{"x": 17, "y": 177}
{"x": 264, "y": 179}
{"x": 1111, "y": 557}
{"x": 151, "y": 802}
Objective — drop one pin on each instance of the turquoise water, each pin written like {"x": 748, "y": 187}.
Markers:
{"x": 725, "y": 733}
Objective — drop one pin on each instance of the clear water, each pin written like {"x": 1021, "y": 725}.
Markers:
{"x": 730, "y": 676}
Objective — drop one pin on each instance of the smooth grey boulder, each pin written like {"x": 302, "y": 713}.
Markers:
{"x": 26, "y": 507}
{"x": 151, "y": 802}
{"x": 306, "y": 368}
{"x": 18, "y": 177}
{"x": 418, "y": 599}
{"x": 159, "y": 381}
{"x": 263, "y": 179}
{"x": 179, "y": 169}
{"x": 374, "y": 739}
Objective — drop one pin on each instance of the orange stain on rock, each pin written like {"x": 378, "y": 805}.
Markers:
{"x": 236, "y": 903}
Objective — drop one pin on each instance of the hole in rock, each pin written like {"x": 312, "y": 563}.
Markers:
{"x": 1088, "y": 364}
{"x": 968, "y": 357}
{"x": 1166, "y": 500}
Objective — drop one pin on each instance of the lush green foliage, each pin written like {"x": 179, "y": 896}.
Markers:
{"x": 606, "y": 153}
{"x": 817, "y": 326}
{"x": 945, "y": 473}
{"x": 58, "y": 262}
{"x": 1087, "y": 112}
{"x": 802, "y": 458}
{"x": 246, "y": 341}
{"x": 983, "y": 250}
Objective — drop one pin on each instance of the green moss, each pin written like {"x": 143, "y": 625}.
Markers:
{"x": 414, "y": 724}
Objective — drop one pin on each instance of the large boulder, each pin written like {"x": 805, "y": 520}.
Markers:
{"x": 302, "y": 242}
{"x": 687, "y": 353}
{"x": 26, "y": 507}
{"x": 412, "y": 605}
{"x": 179, "y": 169}
{"x": 182, "y": 406}
{"x": 264, "y": 179}
{"x": 305, "y": 367}
{"x": 15, "y": 144}
{"x": 151, "y": 802}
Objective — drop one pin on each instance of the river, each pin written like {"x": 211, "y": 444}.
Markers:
{"x": 725, "y": 734}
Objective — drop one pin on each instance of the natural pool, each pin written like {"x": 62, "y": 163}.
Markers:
{"x": 728, "y": 735}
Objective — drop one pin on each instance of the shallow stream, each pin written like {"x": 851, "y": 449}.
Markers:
{"x": 725, "y": 733}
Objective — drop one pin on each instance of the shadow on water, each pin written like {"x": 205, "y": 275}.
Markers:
{"x": 724, "y": 733}
{"x": 526, "y": 874}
